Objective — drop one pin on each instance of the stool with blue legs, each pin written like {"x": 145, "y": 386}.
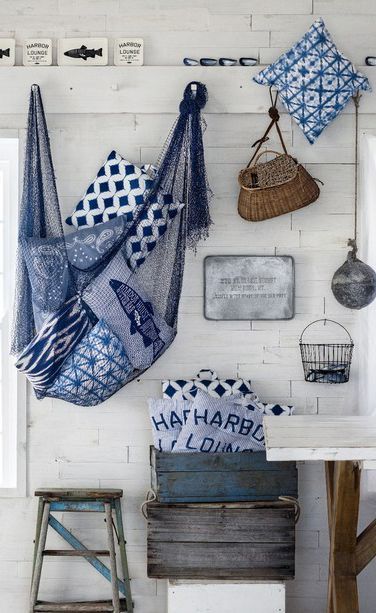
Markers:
{"x": 105, "y": 501}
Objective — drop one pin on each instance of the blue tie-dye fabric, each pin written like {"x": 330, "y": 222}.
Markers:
{"x": 314, "y": 80}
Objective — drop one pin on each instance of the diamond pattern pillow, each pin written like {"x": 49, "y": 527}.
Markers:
{"x": 149, "y": 227}
{"x": 314, "y": 80}
{"x": 97, "y": 368}
{"x": 118, "y": 189}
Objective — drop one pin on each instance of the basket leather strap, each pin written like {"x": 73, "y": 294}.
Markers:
{"x": 274, "y": 115}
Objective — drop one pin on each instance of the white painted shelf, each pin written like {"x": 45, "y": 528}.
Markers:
{"x": 314, "y": 437}
{"x": 141, "y": 89}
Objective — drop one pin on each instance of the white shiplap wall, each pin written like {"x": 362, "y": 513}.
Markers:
{"x": 108, "y": 445}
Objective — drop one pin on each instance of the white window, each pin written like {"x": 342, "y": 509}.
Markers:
{"x": 12, "y": 394}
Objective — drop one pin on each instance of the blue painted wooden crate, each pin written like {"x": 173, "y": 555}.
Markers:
{"x": 220, "y": 477}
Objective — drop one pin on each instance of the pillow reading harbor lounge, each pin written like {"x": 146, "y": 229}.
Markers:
{"x": 314, "y": 80}
{"x": 167, "y": 418}
{"x": 221, "y": 425}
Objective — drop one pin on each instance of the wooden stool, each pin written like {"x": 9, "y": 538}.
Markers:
{"x": 77, "y": 500}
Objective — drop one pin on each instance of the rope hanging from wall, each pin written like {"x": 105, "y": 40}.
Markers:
{"x": 354, "y": 283}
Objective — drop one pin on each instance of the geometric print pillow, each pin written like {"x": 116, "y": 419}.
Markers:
{"x": 207, "y": 381}
{"x": 314, "y": 80}
{"x": 149, "y": 228}
{"x": 95, "y": 370}
{"x": 118, "y": 189}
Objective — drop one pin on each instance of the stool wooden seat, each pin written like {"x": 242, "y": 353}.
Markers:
{"x": 107, "y": 501}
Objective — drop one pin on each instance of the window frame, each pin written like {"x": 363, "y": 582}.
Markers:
{"x": 14, "y": 411}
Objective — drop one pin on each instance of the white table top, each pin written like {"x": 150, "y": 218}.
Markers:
{"x": 315, "y": 437}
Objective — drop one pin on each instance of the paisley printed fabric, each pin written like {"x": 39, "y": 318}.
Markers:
{"x": 97, "y": 368}
{"x": 314, "y": 79}
{"x": 42, "y": 359}
{"x": 86, "y": 248}
{"x": 118, "y": 189}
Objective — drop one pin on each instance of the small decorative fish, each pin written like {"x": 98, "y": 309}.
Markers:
{"x": 140, "y": 314}
{"x": 4, "y": 53}
{"x": 83, "y": 52}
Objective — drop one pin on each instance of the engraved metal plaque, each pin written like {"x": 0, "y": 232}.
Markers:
{"x": 249, "y": 287}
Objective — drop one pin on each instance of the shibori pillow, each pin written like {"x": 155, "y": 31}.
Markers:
{"x": 151, "y": 224}
{"x": 221, "y": 425}
{"x": 118, "y": 189}
{"x": 116, "y": 297}
{"x": 314, "y": 80}
{"x": 97, "y": 368}
{"x": 167, "y": 418}
{"x": 43, "y": 358}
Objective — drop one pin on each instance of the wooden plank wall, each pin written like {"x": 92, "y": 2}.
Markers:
{"x": 108, "y": 445}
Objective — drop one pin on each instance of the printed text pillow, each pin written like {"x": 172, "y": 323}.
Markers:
{"x": 314, "y": 80}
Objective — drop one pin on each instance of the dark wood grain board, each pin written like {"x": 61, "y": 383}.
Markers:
{"x": 216, "y": 541}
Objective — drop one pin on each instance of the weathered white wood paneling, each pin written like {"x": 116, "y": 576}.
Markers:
{"x": 108, "y": 445}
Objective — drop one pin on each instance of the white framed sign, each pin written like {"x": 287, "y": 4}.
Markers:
{"x": 37, "y": 52}
{"x": 129, "y": 52}
{"x": 7, "y": 52}
{"x": 82, "y": 52}
{"x": 246, "y": 287}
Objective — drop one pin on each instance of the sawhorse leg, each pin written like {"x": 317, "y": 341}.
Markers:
{"x": 343, "y": 492}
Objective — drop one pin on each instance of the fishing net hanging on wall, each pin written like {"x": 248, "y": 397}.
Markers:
{"x": 96, "y": 308}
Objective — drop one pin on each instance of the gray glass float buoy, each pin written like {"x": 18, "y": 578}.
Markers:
{"x": 354, "y": 283}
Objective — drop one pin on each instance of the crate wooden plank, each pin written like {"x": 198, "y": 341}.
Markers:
{"x": 220, "y": 477}
{"x": 218, "y": 541}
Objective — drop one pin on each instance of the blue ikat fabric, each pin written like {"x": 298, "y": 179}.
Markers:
{"x": 314, "y": 80}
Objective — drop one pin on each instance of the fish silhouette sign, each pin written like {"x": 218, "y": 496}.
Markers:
{"x": 80, "y": 52}
{"x": 140, "y": 314}
{"x": 7, "y": 52}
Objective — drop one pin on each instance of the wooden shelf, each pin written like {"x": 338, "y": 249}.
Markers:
{"x": 141, "y": 89}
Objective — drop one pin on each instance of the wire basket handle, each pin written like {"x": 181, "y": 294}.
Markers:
{"x": 325, "y": 320}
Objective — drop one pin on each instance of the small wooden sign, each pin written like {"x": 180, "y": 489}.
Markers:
{"x": 82, "y": 52}
{"x": 249, "y": 287}
{"x": 129, "y": 52}
{"x": 7, "y": 52}
{"x": 37, "y": 52}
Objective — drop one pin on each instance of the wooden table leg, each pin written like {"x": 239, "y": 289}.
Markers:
{"x": 343, "y": 486}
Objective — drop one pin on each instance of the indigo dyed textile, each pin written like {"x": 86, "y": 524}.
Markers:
{"x": 221, "y": 425}
{"x": 118, "y": 189}
{"x": 95, "y": 370}
{"x": 314, "y": 79}
{"x": 167, "y": 418}
{"x": 117, "y": 298}
{"x": 42, "y": 359}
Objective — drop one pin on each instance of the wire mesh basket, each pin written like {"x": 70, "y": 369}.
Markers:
{"x": 326, "y": 362}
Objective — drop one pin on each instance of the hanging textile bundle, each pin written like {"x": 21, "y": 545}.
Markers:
{"x": 354, "y": 283}
{"x": 81, "y": 332}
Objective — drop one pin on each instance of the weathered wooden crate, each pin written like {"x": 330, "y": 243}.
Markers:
{"x": 220, "y": 477}
{"x": 221, "y": 541}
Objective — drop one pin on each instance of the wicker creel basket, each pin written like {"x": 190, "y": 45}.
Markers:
{"x": 274, "y": 188}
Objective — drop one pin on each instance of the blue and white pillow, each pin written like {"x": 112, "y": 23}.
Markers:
{"x": 86, "y": 248}
{"x": 167, "y": 418}
{"x": 221, "y": 425}
{"x": 314, "y": 80}
{"x": 116, "y": 297}
{"x": 97, "y": 368}
{"x": 118, "y": 189}
{"x": 208, "y": 381}
{"x": 149, "y": 227}
{"x": 42, "y": 359}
